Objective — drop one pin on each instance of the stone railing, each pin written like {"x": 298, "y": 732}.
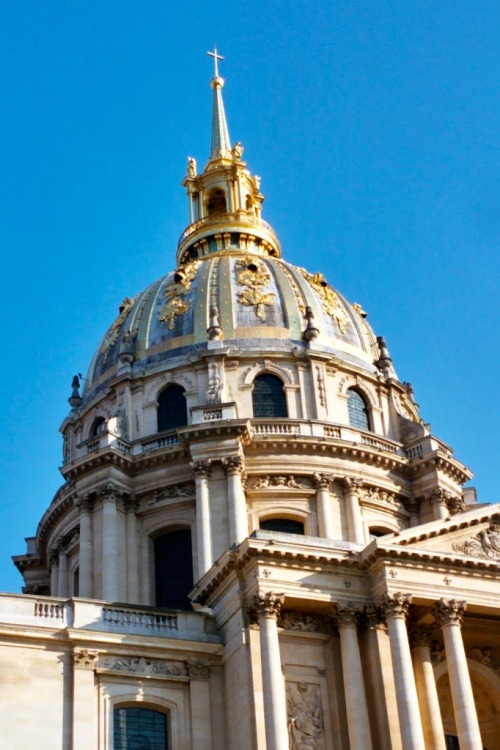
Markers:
{"x": 240, "y": 217}
{"x": 137, "y": 618}
{"x": 428, "y": 444}
{"x": 168, "y": 439}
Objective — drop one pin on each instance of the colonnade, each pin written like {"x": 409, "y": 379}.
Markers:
{"x": 420, "y": 721}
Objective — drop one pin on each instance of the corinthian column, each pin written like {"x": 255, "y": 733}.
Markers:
{"x": 265, "y": 610}
{"x": 358, "y": 725}
{"x": 202, "y": 473}
{"x": 237, "y": 507}
{"x": 426, "y": 688}
{"x": 396, "y": 608}
{"x": 449, "y": 615}
{"x": 438, "y": 499}
{"x": 326, "y": 522}
{"x": 109, "y": 543}
{"x": 355, "y": 528}
{"x": 131, "y": 506}
{"x": 86, "y": 553}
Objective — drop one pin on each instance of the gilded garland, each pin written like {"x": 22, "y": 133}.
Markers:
{"x": 175, "y": 291}
{"x": 329, "y": 298}
{"x": 254, "y": 277}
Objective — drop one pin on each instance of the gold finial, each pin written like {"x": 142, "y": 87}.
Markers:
{"x": 216, "y": 58}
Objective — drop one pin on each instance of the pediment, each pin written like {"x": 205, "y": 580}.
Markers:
{"x": 474, "y": 534}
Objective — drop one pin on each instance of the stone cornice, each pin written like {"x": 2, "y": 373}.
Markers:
{"x": 433, "y": 529}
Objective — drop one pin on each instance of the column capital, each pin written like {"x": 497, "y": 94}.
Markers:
{"x": 374, "y": 617}
{"x": 131, "y": 503}
{"x": 351, "y": 484}
{"x": 85, "y": 504}
{"x": 197, "y": 671}
{"x": 232, "y": 465}
{"x": 322, "y": 481}
{"x": 265, "y": 605}
{"x": 438, "y": 497}
{"x": 85, "y": 658}
{"x": 201, "y": 469}
{"x": 346, "y": 615}
{"x": 110, "y": 492}
{"x": 396, "y": 605}
{"x": 53, "y": 557}
{"x": 420, "y": 635}
{"x": 449, "y": 612}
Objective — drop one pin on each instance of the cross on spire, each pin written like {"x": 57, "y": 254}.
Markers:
{"x": 216, "y": 58}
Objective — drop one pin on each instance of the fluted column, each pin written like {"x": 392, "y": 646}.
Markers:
{"x": 358, "y": 725}
{"x": 326, "y": 523}
{"x": 355, "y": 528}
{"x": 430, "y": 712}
{"x": 86, "y": 551}
{"x": 63, "y": 586}
{"x": 237, "y": 507}
{"x": 265, "y": 610}
{"x": 202, "y": 473}
{"x": 396, "y": 608}
{"x": 54, "y": 571}
{"x": 131, "y": 506}
{"x": 438, "y": 503}
{"x": 109, "y": 543}
{"x": 449, "y": 615}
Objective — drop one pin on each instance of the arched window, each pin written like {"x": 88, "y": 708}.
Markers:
{"x": 357, "y": 410}
{"x": 173, "y": 569}
{"x": 377, "y": 531}
{"x": 98, "y": 427}
{"x": 137, "y": 728}
{"x": 268, "y": 397}
{"x": 216, "y": 202}
{"x": 172, "y": 408}
{"x": 286, "y": 525}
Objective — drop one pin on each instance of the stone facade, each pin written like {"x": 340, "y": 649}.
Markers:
{"x": 374, "y": 625}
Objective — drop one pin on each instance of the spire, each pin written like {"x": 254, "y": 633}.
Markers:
{"x": 221, "y": 145}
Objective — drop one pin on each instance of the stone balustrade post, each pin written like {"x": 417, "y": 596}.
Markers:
{"x": 355, "y": 529}
{"x": 326, "y": 522}
{"x": 109, "y": 542}
{"x": 345, "y": 618}
{"x": 432, "y": 723}
{"x": 449, "y": 615}
{"x": 237, "y": 507}
{"x": 396, "y": 607}
{"x": 265, "y": 610}
{"x": 202, "y": 471}
{"x": 85, "y": 507}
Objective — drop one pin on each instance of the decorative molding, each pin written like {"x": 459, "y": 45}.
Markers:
{"x": 485, "y": 544}
{"x": 449, "y": 612}
{"x": 201, "y": 469}
{"x": 351, "y": 484}
{"x": 346, "y": 615}
{"x": 168, "y": 493}
{"x": 302, "y": 621}
{"x": 86, "y": 503}
{"x": 289, "y": 481}
{"x": 322, "y": 481}
{"x": 85, "y": 658}
{"x": 197, "y": 671}
{"x": 486, "y": 656}
{"x": 140, "y": 665}
{"x": 305, "y": 716}
{"x": 232, "y": 464}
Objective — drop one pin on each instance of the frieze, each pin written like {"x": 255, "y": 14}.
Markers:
{"x": 484, "y": 656}
{"x": 141, "y": 665}
{"x": 301, "y": 621}
{"x": 485, "y": 544}
{"x": 290, "y": 481}
{"x": 305, "y": 716}
{"x": 169, "y": 493}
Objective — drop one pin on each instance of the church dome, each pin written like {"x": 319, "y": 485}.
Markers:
{"x": 242, "y": 298}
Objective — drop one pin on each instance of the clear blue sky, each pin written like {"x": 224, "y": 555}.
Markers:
{"x": 375, "y": 127}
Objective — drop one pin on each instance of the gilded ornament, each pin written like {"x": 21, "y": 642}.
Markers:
{"x": 329, "y": 298}
{"x": 179, "y": 285}
{"x": 252, "y": 274}
{"x": 112, "y": 335}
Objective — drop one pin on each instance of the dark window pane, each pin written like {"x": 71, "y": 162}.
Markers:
{"x": 283, "y": 524}
{"x": 268, "y": 397}
{"x": 139, "y": 729}
{"x": 452, "y": 742}
{"x": 358, "y": 413}
{"x": 173, "y": 569}
{"x": 172, "y": 408}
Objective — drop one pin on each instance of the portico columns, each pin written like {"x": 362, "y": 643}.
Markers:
{"x": 109, "y": 543}
{"x": 86, "y": 563}
{"x": 355, "y": 528}
{"x": 237, "y": 508}
{"x": 396, "y": 608}
{"x": 345, "y": 617}
{"x": 265, "y": 610}
{"x": 202, "y": 473}
{"x": 449, "y": 615}
{"x": 326, "y": 522}
{"x": 426, "y": 688}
